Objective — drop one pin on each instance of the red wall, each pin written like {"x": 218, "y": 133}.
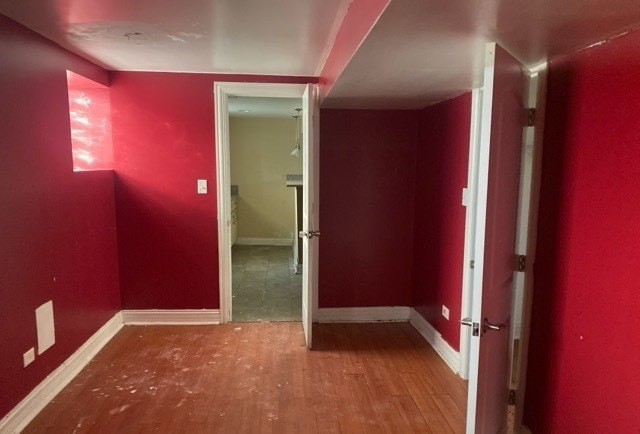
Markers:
{"x": 441, "y": 174}
{"x": 163, "y": 136}
{"x": 584, "y": 357}
{"x": 58, "y": 239}
{"x": 367, "y": 178}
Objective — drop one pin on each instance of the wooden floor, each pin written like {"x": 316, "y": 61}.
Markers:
{"x": 259, "y": 377}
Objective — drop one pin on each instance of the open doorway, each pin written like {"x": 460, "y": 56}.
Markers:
{"x": 224, "y": 92}
{"x": 265, "y": 139}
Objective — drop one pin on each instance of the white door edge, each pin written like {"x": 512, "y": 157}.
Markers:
{"x": 469, "y": 233}
{"x": 482, "y": 186}
{"x": 222, "y": 91}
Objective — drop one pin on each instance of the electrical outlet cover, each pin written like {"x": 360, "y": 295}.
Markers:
{"x": 28, "y": 357}
{"x": 445, "y": 311}
{"x": 202, "y": 186}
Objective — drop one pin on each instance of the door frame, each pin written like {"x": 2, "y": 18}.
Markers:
{"x": 469, "y": 200}
{"x": 535, "y": 97}
{"x": 222, "y": 91}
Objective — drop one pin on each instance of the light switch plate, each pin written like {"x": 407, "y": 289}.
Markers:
{"x": 445, "y": 311}
{"x": 202, "y": 186}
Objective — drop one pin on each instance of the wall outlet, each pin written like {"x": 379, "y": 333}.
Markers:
{"x": 445, "y": 311}
{"x": 28, "y": 357}
{"x": 202, "y": 186}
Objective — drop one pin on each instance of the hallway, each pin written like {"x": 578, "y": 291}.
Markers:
{"x": 265, "y": 287}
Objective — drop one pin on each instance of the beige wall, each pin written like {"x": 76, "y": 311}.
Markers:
{"x": 260, "y": 161}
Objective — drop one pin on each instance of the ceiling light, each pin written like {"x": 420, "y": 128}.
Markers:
{"x": 297, "y": 150}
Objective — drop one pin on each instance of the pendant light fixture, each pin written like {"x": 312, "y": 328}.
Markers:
{"x": 297, "y": 150}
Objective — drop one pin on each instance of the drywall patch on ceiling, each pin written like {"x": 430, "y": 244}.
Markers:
{"x": 210, "y": 36}
{"x": 127, "y": 33}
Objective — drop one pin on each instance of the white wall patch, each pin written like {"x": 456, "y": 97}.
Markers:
{"x": 45, "y": 327}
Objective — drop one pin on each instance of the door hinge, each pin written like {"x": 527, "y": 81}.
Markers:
{"x": 521, "y": 262}
{"x": 472, "y": 264}
{"x": 512, "y": 396}
{"x": 529, "y": 117}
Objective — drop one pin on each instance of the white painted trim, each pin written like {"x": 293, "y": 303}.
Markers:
{"x": 221, "y": 102}
{"x": 264, "y": 241}
{"x": 171, "y": 316}
{"x": 364, "y": 314}
{"x": 469, "y": 230}
{"x": 435, "y": 339}
{"x": 481, "y": 195}
{"x": 222, "y": 91}
{"x": 23, "y": 413}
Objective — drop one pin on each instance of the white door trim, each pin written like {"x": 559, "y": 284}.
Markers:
{"x": 537, "y": 99}
{"x": 480, "y": 214}
{"x": 469, "y": 231}
{"x": 222, "y": 91}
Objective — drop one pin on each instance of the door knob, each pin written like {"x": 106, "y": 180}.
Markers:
{"x": 486, "y": 325}
{"x": 469, "y": 323}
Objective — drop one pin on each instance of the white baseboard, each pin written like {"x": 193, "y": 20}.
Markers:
{"x": 23, "y": 413}
{"x": 364, "y": 314}
{"x": 264, "y": 241}
{"x": 435, "y": 339}
{"x": 171, "y": 316}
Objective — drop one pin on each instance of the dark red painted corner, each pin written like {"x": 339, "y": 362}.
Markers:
{"x": 441, "y": 174}
{"x": 382, "y": 172}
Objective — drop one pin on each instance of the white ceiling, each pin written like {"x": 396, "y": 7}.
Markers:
{"x": 281, "y": 37}
{"x": 263, "y": 107}
{"x": 424, "y": 51}
{"x": 419, "y": 52}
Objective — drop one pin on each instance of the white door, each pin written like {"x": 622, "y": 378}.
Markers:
{"x": 310, "y": 196}
{"x": 501, "y": 126}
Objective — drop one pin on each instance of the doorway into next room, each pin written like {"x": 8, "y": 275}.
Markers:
{"x": 265, "y": 171}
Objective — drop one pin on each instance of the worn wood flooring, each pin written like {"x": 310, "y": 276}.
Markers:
{"x": 259, "y": 377}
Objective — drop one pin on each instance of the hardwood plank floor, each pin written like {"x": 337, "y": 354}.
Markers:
{"x": 260, "y": 378}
